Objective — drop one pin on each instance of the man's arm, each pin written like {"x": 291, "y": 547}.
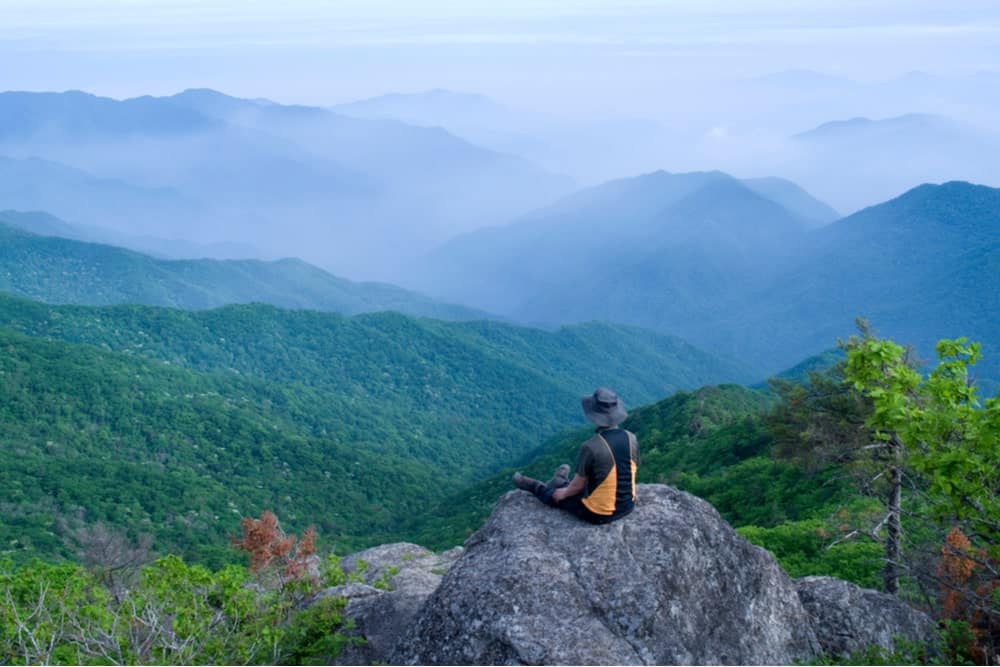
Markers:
{"x": 575, "y": 487}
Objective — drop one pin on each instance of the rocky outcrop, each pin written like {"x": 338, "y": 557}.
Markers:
{"x": 670, "y": 584}
{"x": 396, "y": 579}
{"x": 847, "y": 618}
{"x": 401, "y": 566}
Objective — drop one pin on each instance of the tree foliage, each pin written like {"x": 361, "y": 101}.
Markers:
{"x": 173, "y": 613}
{"x": 952, "y": 441}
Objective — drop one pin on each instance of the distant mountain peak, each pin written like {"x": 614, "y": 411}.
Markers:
{"x": 954, "y": 204}
{"x": 200, "y": 92}
{"x": 949, "y": 190}
{"x": 647, "y": 192}
{"x": 662, "y": 177}
{"x": 837, "y": 128}
{"x": 656, "y": 190}
{"x": 212, "y": 95}
{"x": 732, "y": 199}
{"x": 78, "y": 116}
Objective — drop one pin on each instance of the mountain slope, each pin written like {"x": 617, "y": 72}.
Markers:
{"x": 46, "y": 224}
{"x": 703, "y": 257}
{"x": 358, "y": 194}
{"x": 93, "y": 436}
{"x": 415, "y": 165}
{"x": 33, "y": 184}
{"x": 177, "y": 422}
{"x": 76, "y": 115}
{"x": 60, "y": 270}
{"x": 591, "y": 149}
{"x": 661, "y": 251}
{"x": 372, "y": 145}
{"x": 860, "y": 161}
{"x": 429, "y": 108}
{"x": 476, "y": 118}
{"x": 921, "y": 267}
{"x": 794, "y": 198}
{"x": 645, "y": 364}
{"x": 856, "y": 131}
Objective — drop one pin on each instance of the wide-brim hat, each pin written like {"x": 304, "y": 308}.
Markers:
{"x": 604, "y": 408}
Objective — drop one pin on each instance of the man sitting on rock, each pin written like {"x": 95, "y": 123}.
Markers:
{"x": 603, "y": 488}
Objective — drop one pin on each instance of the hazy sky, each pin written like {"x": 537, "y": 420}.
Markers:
{"x": 598, "y": 55}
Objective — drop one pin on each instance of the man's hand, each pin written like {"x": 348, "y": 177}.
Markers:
{"x": 578, "y": 484}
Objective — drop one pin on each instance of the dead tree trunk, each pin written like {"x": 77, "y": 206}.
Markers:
{"x": 893, "y": 536}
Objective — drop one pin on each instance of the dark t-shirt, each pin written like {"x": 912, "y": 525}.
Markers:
{"x": 595, "y": 461}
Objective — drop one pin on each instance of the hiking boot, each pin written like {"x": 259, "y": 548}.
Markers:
{"x": 527, "y": 483}
{"x": 560, "y": 478}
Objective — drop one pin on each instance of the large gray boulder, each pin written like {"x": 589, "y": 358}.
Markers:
{"x": 396, "y": 579}
{"x": 847, "y": 618}
{"x": 670, "y": 584}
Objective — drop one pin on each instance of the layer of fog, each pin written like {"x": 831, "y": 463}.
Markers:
{"x": 368, "y": 189}
{"x": 750, "y": 128}
{"x": 359, "y": 197}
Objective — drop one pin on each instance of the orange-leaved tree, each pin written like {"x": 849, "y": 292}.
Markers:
{"x": 277, "y": 555}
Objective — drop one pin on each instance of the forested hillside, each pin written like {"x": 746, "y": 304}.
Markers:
{"x": 162, "y": 420}
{"x": 60, "y": 270}
{"x": 92, "y": 436}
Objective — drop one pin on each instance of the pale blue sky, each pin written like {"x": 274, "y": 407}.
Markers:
{"x": 623, "y": 55}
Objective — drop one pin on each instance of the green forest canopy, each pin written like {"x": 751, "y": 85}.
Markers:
{"x": 177, "y": 423}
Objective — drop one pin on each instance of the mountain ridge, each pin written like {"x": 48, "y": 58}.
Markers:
{"x": 61, "y": 270}
{"x": 906, "y": 265}
{"x": 297, "y": 180}
{"x": 693, "y": 227}
{"x": 839, "y": 128}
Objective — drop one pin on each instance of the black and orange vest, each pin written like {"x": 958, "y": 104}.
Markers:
{"x": 615, "y": 494}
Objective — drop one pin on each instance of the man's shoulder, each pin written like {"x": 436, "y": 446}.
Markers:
{"x": 599, "y": 442}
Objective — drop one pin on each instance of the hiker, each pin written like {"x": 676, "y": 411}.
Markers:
{"x": 603, "y": 488}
